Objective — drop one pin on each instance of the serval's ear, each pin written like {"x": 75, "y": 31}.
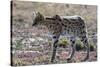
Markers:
{"x": 57, "y": 17}
{"x": 40, "y": 16}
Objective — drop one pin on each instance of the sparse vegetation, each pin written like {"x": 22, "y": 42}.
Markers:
{"x": 63, "y": 42}
{"x": 79, "y": 45}
{"x": 41, "y": 53}
{"x": 91, "y": 47}
{"x": 18, "y": 45}
{"x": 18, "y": 62}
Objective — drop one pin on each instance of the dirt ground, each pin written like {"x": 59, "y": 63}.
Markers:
{"x": 31, "y": 45}
{"x": 44, "y": 55}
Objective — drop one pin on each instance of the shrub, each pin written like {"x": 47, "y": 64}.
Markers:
{"x": 17, "y": 62}
{"x": 63, "y": 42}
{"x": 50, "y": 42}
{"x": 91, "y": 47}
{"x": 18, "y": 45}
{"x": 79, "y": 45}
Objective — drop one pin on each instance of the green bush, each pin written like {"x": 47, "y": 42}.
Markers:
{"x": 63, "y": 42}
{"x": 91, "y": 47}
{"x": 18, "y": 44}
{"x": 79, "y": 45}
{"x": 50, "y": 42}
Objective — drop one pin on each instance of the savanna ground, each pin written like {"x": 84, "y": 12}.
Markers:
{"x": 32, "y": 46}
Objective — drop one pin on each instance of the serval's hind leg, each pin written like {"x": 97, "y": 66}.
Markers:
{"x": 85, "y": 42}
{"x": 72, "y": 41}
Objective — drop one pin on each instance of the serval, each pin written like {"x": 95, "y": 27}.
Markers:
{"x": 73, "y": 26}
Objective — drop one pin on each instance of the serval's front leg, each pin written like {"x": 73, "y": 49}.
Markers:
{"x": 54, "y": 51}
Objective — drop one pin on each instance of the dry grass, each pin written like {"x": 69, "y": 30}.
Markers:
{"x": 22, "y": 28}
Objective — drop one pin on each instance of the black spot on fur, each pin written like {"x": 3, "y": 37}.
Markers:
{"x": 80, "y": 19}
{"x": 73, "y": 20}
{"x": 54, "y": 37}
{"x": 67, "y": 30}
{"x": 85, "y": 41}
{"x": 50, "y": 26}
{"x": 83, "y": 26}
{"x": 50, "y": 18}
{"x": 54, "y": 32}
{"x": 83, "y": 32}
{"x": 83, "y": 37}
{"x": 73, "y": 42}
{"x": 62, "y": 24}
{"x": 67, "y": 20}
{"x": 57, "y": 23}
{"x": 53, "y": 23}
{"x": 66, "y": 25}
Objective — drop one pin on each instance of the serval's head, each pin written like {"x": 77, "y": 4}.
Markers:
{"x": 57, "y": 17}
{"x": 37, "y": 19}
